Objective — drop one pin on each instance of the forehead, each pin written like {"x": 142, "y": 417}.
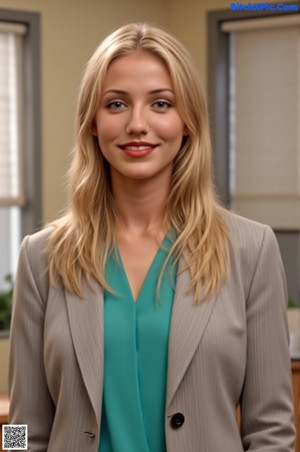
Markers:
{"x": 138, "y": 69}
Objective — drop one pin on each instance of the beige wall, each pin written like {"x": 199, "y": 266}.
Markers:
{"x": 70, "y": 31}
{"x": 187, "y": 20}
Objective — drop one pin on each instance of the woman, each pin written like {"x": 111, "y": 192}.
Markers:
{"x": 148, "y": 313}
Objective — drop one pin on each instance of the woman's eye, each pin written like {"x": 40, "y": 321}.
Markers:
{"x": 116, "y": 105}
{"x": 162, "y": 105}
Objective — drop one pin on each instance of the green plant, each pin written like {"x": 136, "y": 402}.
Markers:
{"x": 292, "y": 303}
{"x": 5, "y": 304}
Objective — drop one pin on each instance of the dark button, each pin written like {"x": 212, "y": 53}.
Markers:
{"x": 177, "y": 420}
{"x": 89, "y": 434}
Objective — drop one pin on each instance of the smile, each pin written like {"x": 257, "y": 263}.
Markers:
{"x": 135, "y": 149}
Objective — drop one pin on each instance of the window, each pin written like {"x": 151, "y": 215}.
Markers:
{"x": 228, "y": 113}
{"x": 11, "y": 143}
{"x": 219, "y": 61}
{"x": 20, "y": 143}
{"x": 264, "y": 119}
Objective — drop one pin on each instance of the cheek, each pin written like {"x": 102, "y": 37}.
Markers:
{"x": 107, "y": 129}
{"x": 171, "y": 128}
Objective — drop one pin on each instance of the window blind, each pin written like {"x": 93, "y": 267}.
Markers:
{"x": 11, "y": 108}
{"x": 265, "y": 119}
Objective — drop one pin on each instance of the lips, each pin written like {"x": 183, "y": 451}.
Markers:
{"x": 137, "y": 146}
{"x": 137, "y": 149}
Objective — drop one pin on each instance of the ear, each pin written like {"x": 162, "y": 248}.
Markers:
{"x": 94, "y": 129}
{"x": 186, "y": 131}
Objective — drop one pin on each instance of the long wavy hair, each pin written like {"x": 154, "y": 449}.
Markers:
{"x": 82, "y": 240}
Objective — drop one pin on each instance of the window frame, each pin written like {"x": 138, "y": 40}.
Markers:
{"x": 218, "y": 88}
{"x": 31, "y": 212}
{"x": 218, "y": 98}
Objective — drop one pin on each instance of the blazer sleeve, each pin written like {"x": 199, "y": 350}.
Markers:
{"x": 30, "y": 401}
{"x": 266, "y": 404}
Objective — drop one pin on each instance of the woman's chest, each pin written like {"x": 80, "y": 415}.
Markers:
{"x": 137, "y": 257}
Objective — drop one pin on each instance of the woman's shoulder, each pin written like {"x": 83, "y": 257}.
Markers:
{"x": 34, "y": 251}
{"x": 247, "y": 234}
{"x": 33, "y": 261}
{"x": 252, "y": 246}
{"x": 37, "y": 242}
{"x": 236, "y": 223}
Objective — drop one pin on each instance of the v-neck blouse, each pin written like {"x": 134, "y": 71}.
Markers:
{"x": 136, "y": 338}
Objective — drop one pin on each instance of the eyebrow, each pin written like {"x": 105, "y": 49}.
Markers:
{"x": 154, "y": 91}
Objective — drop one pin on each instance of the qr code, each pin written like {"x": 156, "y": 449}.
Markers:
{"x": 14, "y": 437}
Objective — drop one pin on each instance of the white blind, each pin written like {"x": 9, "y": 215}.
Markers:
{"x": 11, "y": 108}
{"x": 265, "y": 121}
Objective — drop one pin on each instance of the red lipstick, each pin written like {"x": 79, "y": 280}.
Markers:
{"x": 138, "y": 148}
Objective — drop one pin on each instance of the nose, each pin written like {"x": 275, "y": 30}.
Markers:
{"x": 137, "y": 121}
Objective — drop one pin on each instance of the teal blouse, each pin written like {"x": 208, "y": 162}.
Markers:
{"x": 135, "y": 358}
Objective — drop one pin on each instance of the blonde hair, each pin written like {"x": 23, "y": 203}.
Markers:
{"x": 82, "y": 240}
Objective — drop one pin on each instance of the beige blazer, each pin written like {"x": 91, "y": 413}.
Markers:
{"x": 228, "y": 350}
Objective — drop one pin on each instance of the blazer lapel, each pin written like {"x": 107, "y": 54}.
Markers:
{"x": 188, "y": 324}
{"x": 86, "y": 324}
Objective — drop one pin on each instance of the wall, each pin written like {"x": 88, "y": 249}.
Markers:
{"x": 187, "y": 21}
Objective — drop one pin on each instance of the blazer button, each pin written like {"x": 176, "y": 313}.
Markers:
{"x": 89, "y": 434}
{"x": 177, "y": 420}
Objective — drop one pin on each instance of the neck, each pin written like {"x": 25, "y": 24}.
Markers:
{"x": 141, "y": 205}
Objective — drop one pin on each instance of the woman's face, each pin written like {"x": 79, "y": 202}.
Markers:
{"x": 137, "y": 123}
